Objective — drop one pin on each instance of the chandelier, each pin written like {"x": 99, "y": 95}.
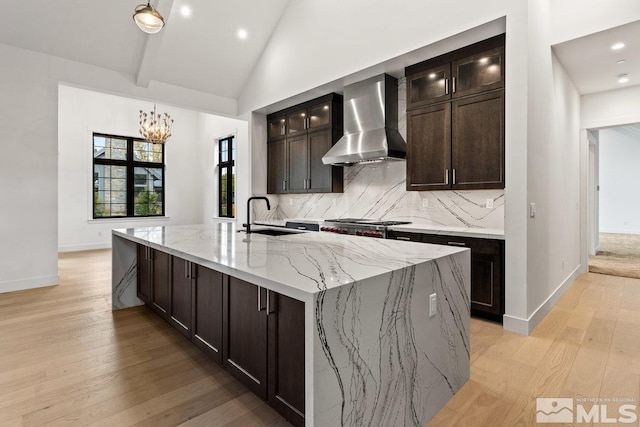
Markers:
{"x": 154, "y": 127}
{"x": 148, "y": 19}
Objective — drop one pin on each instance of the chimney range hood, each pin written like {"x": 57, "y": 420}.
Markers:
{"x": 370, "y": 124}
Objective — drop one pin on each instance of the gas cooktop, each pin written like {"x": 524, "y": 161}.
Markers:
{"x": 359, "y": 226}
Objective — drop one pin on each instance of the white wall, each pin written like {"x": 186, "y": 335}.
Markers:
{"x": 190, "y": 159}
{"x": 571, "y": 19}
{"x": 29, "y": 164}
{"x": 553, "y": 169}
{"x": 619, "y": 175}
{"x": 610, "y": 108}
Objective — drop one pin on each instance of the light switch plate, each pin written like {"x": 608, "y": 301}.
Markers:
{"x": 489, "y": 204}
{"x": 425, "y": 203}
{"x": 532, "y": 210}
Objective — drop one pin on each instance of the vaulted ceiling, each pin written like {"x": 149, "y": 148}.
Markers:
{"x": 200, "y": 51}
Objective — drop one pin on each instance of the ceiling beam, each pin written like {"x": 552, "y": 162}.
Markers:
{"x": 152, "y": 47}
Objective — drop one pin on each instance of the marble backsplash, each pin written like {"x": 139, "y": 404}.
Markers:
{"x": 378, "y": 191}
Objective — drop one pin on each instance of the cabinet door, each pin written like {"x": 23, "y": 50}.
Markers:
{"x": 276, "y": 127}
{"x": 181, "y": 295}
{"x": 297, "y": 122}
{"x": 298, "y": 166}
{"x": 429, "y": 86}
{"x": 487, "y": 290}
{"x": 429, "y": 148}
{"x": 208, "y": 311}
{"x": 161, "y": 287}
{"x": 144, "y": 273}
{"x": 320, "y": 175}
{"x": 319, "y": 116}
{"x": 478, "y": 73}
{"x": 478, "y": 141}
{"x": 277, "y": 167}
{"x": 245, "y": 334}
{"x": 286, "y": 356}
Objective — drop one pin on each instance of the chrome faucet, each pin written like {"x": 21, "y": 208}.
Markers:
{"x": 248, "y": 224}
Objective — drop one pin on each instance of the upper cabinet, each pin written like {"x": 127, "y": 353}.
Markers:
{"x": 468, "y": 71}
{"x": 455, "y": 119}
{"x": 297, "y": 138}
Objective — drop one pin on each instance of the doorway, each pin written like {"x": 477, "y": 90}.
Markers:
{"x": 614, "y": 202}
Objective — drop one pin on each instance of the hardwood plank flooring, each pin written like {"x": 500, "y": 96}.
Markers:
{"x": 66, "y": 359}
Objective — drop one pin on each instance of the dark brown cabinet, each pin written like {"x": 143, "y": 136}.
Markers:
{"x": 297, "y": 138}
{"x": 144, "y": 277}
{"x": 455, "y": 119}
{"x": 255, "y": 334}
{"x": 245, "y": 334}
{"x": 161, "y": 287}
{"x": 487, "y": 269}
{"x": 429, "y": 133}
{"x": 286, "y": 356}
{"x": 277, "y": 167}
{"x": 207, "y": 312}
{"x": 182, "y": 276}
{"x": 477, "y": 147}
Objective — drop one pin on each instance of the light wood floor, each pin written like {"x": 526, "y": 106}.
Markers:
{"x": 66, "y": 359}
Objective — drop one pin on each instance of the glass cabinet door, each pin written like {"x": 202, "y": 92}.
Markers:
{"x": 276, "y": 128}
{"x": 319, "y": 116}
{"x": 478, "y": 73}
{"x": 297, "y": 122}
{"x": 429, "y": 86}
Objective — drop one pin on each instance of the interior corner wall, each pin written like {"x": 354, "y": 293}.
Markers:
{"x": 619, "y": 199}
{"x": 553, "y": 168}
{"x": 29, "y": 164}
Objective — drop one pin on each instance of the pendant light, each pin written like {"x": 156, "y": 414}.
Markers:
{"x": 154, "y": 127}
{"x": 148, "y": 19}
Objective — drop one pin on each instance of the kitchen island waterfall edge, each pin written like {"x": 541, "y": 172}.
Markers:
{"x": 373, "y": 355}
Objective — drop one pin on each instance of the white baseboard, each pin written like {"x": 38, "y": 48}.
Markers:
{"x": 526, "y": 326}
{"x": 30, "y": 283}
{"x": 87, "y": 247}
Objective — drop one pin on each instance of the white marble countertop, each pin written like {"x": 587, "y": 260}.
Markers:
{"x": 298, "y": 265}
{"x": 448, "y": 230}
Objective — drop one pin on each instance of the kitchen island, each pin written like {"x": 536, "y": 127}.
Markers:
{"x": 373, "y": 355}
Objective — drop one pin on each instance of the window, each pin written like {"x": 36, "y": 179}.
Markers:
{"x": 227, "y": 177}
{"x": 128, "y": 177}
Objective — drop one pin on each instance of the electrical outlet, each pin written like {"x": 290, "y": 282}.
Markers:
{"x": 432, "y": 305}
{"x": 532, "y": 210}
{"x": 489, "y": 204}
{"x": 290, "y": 201}
{"x": 425, "y": 203}
{"x": 335, "y": 202}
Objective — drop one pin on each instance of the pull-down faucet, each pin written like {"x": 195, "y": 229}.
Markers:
{"x": 248, "y": 224}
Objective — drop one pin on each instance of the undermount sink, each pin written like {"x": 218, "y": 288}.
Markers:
{"x": 272, "y": 232}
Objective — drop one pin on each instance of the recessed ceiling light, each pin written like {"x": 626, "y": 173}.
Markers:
{"x": 618, "y": 46}
{"x": 623, "y": 78}
{"x": 621, "y": 61}
{"x": 185, "y": 10}
{"x": 242, "y": 34}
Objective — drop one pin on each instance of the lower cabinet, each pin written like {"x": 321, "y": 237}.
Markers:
{"x": 286, "y": 356}
{"x": 487, "y": 269}
{"x": 245, "y": 334}
{"x": 207, "y": 312}
{"x": 255, "y": 334}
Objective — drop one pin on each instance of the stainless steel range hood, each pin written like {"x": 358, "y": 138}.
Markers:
{"x": 370, "y": 124}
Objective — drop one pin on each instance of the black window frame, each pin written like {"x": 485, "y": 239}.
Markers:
{"x": 131, "y": 164}
{"x": 228, "y": 166}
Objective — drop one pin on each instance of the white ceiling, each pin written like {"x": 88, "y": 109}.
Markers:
{"x": 200, "y": 52}
{"x": 592, "y": 64}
